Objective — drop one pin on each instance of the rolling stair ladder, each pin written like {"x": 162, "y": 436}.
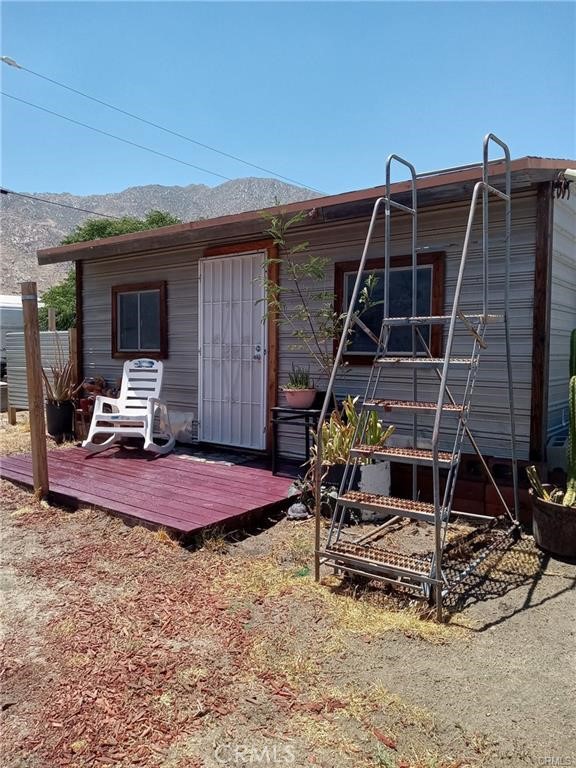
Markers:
{"x": 423, "y": 575}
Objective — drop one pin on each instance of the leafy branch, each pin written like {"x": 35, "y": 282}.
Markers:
{"x": 298, "y": 303}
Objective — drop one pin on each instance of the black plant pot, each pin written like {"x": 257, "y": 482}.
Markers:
{"x": 60, "y": 418}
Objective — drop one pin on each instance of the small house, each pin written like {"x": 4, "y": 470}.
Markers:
{"x": 191, "y": 295}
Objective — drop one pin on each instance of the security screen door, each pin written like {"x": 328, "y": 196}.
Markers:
{"x": 232, "y": 353}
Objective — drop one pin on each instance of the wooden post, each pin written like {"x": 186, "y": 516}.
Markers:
{"x": 73, "y": 350}
{"x": 35, "y": 388}
{"x": 51, "y": 319}
{"x": 11, "y": 415}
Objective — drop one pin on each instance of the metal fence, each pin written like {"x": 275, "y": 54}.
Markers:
{"x": 54, "y": 345}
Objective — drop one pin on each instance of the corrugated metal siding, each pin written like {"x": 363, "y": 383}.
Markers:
{"x": 562, "y": 311}
{"x": 54, "y": 347}
{"x": 442, "y": 228}
{"x": 180, "y": 270}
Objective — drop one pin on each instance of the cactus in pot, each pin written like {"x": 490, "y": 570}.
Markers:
{"x": 554, "y": 509}
{"x": 570, "y": 496}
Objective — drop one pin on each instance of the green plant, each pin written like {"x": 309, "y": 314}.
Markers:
{"x": 299, "y": 378}
{"x": 339, "y": 430}
{"x": 62, "y": 298}
{"x": 557, "y": 495}
{"x": 95, "y": 229}
{"x": 299, "y": 300}
{"x": 60, "y": 382}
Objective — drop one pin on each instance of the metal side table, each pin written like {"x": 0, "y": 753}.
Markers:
{"x": 306, "y": 417}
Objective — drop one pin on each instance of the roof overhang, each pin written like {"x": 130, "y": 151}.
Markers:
{"x": 433, "y": 188}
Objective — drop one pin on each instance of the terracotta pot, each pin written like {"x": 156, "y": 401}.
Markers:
{"x": 299, "y": 398}
{"x": 554, "y": 526}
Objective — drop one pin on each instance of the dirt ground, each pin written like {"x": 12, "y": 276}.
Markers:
{"x": 120, "y": 648}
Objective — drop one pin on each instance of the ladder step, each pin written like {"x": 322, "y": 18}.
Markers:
{"x": 372, "y": 559}
{"x": 421, "y": 456}
{"x": 421, "y": 362}
{"x": 374, "y": 502}
{"x": 439, "y": 319}
{"x": 410, "y": 405}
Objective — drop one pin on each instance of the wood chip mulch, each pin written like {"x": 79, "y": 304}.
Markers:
{"x": 137, "y": 655}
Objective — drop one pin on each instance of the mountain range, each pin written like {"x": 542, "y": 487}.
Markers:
{"x": 27, "y": 224}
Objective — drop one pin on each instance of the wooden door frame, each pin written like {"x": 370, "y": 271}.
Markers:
{"x": 541, "y": 322}
{"x": 273, "y": 273}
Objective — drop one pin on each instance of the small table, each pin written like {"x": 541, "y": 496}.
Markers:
{"x": 308, "y": 417}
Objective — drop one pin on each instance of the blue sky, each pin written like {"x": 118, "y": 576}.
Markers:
{"x": 320, "y": 92}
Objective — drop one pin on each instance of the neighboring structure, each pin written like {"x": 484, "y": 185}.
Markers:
{"x": 11, "y": 319}
{"x": 54, "y": 347}
{"x": 189, "y": 294}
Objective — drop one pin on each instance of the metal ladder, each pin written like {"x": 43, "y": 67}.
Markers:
{"x": 362, "y": 556}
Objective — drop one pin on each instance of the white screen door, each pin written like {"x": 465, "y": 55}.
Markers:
{"x": 232, "y": 354}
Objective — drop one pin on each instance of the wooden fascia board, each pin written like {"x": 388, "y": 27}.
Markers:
{"x": 541, "y": 323}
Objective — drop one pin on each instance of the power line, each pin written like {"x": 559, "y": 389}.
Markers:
{"x": 4, "y": 191}
{"x": 113, "y": 136}
{"x": 12, "y": 63}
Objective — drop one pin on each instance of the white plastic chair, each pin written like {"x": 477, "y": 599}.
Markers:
{"x": 134, "y": 413}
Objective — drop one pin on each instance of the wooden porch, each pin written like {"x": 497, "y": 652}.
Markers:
{"x": 174, "y": 492}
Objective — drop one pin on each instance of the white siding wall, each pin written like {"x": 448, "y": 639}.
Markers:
{"x": 562, "y": 311}
{"x": 443, "y": 229}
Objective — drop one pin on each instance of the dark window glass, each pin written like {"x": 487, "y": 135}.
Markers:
{"x": 400, "y": 306}
{"x": 139, "y": 321}
{"x": 128, "y": 321}
{"x": 150, "y": 320}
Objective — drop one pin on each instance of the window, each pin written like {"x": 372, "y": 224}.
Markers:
{"x": 139, "y": 320}
{"x": 429, "y": 300}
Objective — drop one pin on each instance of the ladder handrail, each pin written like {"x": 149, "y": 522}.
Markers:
{"x": 478, "y": 187}
{"x": 350, "y": 313}
{"x": 490, "y": 137}
{"x": 330, "y": 387}
{"x": 413, "y": 212}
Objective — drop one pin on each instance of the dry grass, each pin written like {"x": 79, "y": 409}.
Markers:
{"x": 370, "y": 614}
{"x": 16, "y": 439}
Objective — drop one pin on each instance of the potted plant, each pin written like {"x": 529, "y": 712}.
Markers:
{"x": 553, "y": 508}
{"x": 338, "y": 433}
{"x": 299, "y": 300}
{"x": 300, "y": 391}
{"x": 60, "y": 387}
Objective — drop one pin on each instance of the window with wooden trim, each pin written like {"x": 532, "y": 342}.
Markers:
{"x": 430, "y": 301}
{"x": 139, "y": 320}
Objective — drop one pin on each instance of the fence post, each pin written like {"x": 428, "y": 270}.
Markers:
{"x": 51, "y": 319}
{"x": 35, "y": 388}
{"x": 73, "y": 352}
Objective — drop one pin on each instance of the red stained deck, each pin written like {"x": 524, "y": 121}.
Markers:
{"x": 174, "y": 491}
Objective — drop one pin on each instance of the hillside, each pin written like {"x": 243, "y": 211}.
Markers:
{"x": 28, "y": 225}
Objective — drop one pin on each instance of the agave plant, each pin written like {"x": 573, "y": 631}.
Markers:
{"x": 338, "y": 434}
{"x": 60, "y": 382}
